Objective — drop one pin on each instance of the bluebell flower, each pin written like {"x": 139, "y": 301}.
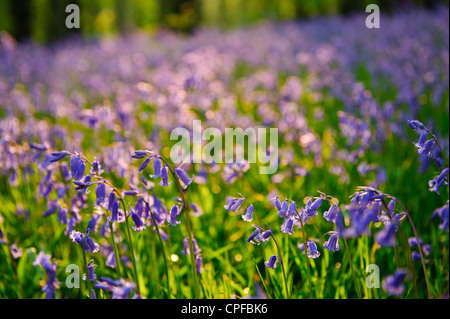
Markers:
{"x": 426, "y": 149}
{"x": 62, "y": 214}
{"x": 311, "y": 207}
{"x": 139, "y": 154}
{"x": 122, "y": 292}
{"x": 174, "y": 211}
{"x": 292, "y": 210}
{"x": 132, "y": 192}
{"x": 386, "y": 237}
{"x": 332, "y": 243}
{"x": 138, "y": 223}
{"x": 282, "y": 210}
{"x": 52, "y": 205}
{"x": 413, "y": 242}
{"x": 255, "y": 237}
{"x": 248, "y": 216}
{"x": 312, "y": 249}
{"x": 83, "y": 186}
{"x": 427, "y": 248}
{"x": 422, "y": 139}
{"x": 301, "y": 247}
{"x": 57, "y": 156}
{"x": 100, "y": 192}
{"x": 111, "y": 260}
{"x": 198, "y": 263}
{"x": 144, "y": 164}
{"x": 116, "y": 214}
{"x": 265, "y": 236}
{"x": 330, "y": 214}
{"x": 70, "y": 225}
{"x": 112, "y": 282}
{"x": 165, "y": 176}
{"x": 286, "y": 227}
{"x": 233, "y": 204}
{"x": 89, "y": 244}
{"x": 443, "y": 214}
{"x": 184, "y": 178}
{"x": 272, "y": 262}
{"x": 416, "y": 125}
{"x": 77, "y": 167}
{"x": 50, "y": 268}
{"x": 156, "y": 167}
{"x": 111, "y": 200}
{"x": 394, "y": 284}
{"x": 96, "y": 168}
{"x": 90, "y": 270}
{"x": 440, "y": 180}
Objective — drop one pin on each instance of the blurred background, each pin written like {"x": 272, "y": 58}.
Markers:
{"x": 44, "y": 20}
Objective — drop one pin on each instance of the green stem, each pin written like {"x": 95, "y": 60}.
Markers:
{"x": 189, "y": 228}
{"x": 282, "y": 266}
{"x": 166, "y": 267}
{"x": 88, "y": 281}
{"x": 440, "y": 147}
{"x": 133, "y": 257}
{"x": 350, "y": 261}
{"x": 116, "y": 252}
{"x": 306, "y": 256}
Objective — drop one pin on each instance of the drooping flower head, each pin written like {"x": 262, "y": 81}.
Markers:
{"x": 312, "y": 249}
{"x": 272, "y": 262}
{"x": 393, "y": 284}
{"x": 332, "y": 243}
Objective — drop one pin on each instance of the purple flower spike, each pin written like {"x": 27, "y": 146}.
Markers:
{"x": 183, "y": 176}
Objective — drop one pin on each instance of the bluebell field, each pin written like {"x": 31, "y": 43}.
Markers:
{"x": 362, "y": 181}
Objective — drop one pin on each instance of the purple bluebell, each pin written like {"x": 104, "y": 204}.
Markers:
{"x": 330, "y": 214}
{"x": 286, "y": 227}
{"x": 386, "y": 237}
{"x": 440, "y": 180}
{"x": 292, "y": 210}
{"x": 416, "y": 125}
{"x": 311, "y": 208}
{"x": 139, "y": 154}
{"x": 96, "y": 168}
{"x": 111, "y": 260}
{"x": 282, "y": 210}
{"x": 332, "y": 243}
{"x": 157, "y": 167}
{"x": 111, "y": 200}
{"x": 90, "y": 270}
{"x": 115, "y": 214}
{"x": 89, "y": 243}
{"x": 52, "y": 205}
{"x": 301, "y": 247}
{"x": 233, "y": 204}
{"x": 426, "y": 149}
{"x": 393, "y": 284}
{"x": 122, "y": 292}
{"x": 100, "y": 192}
{"x": 138, "y": 223}
{"x": 165, "y": 176}
{"x": 312, "y": 249}
{"x": 255, "y": 237}
{"x": 132, "y": 192}
{"x": 184, "y": 178}
{"x": 272, "y": 262}
{"x": 62, "y": 214}
{"x": 198, "y": 263}
{"x": 422, "y": 139}
{"x": 50, "y": 268}
{"x": 77, "y": 167}
{"x": 248, "y": 216}
{"x": 427, "y": 248}
{"x": 144, "y": 164}
{"x": 413, "y": 241}
{"x": 174, "y": 211}
{"x": 83, "y": 186}
{"x": 265, "y": 236}
{"x": 443, "y": 213}
{"x": 57, "y": 156}
{"x": 70, "y": 225}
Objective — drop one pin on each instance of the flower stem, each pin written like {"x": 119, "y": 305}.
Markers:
{"x": 88, "y": 281}
{"x": 133, "y": 257}
{"x": 350, "y": 261}
{"x": 440, "y": 147}
{"x": 306, "y": 256}
{"x": 282, "y": 267}
{"x": 188, "y": 226}
{"x": 166, "y": 267}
